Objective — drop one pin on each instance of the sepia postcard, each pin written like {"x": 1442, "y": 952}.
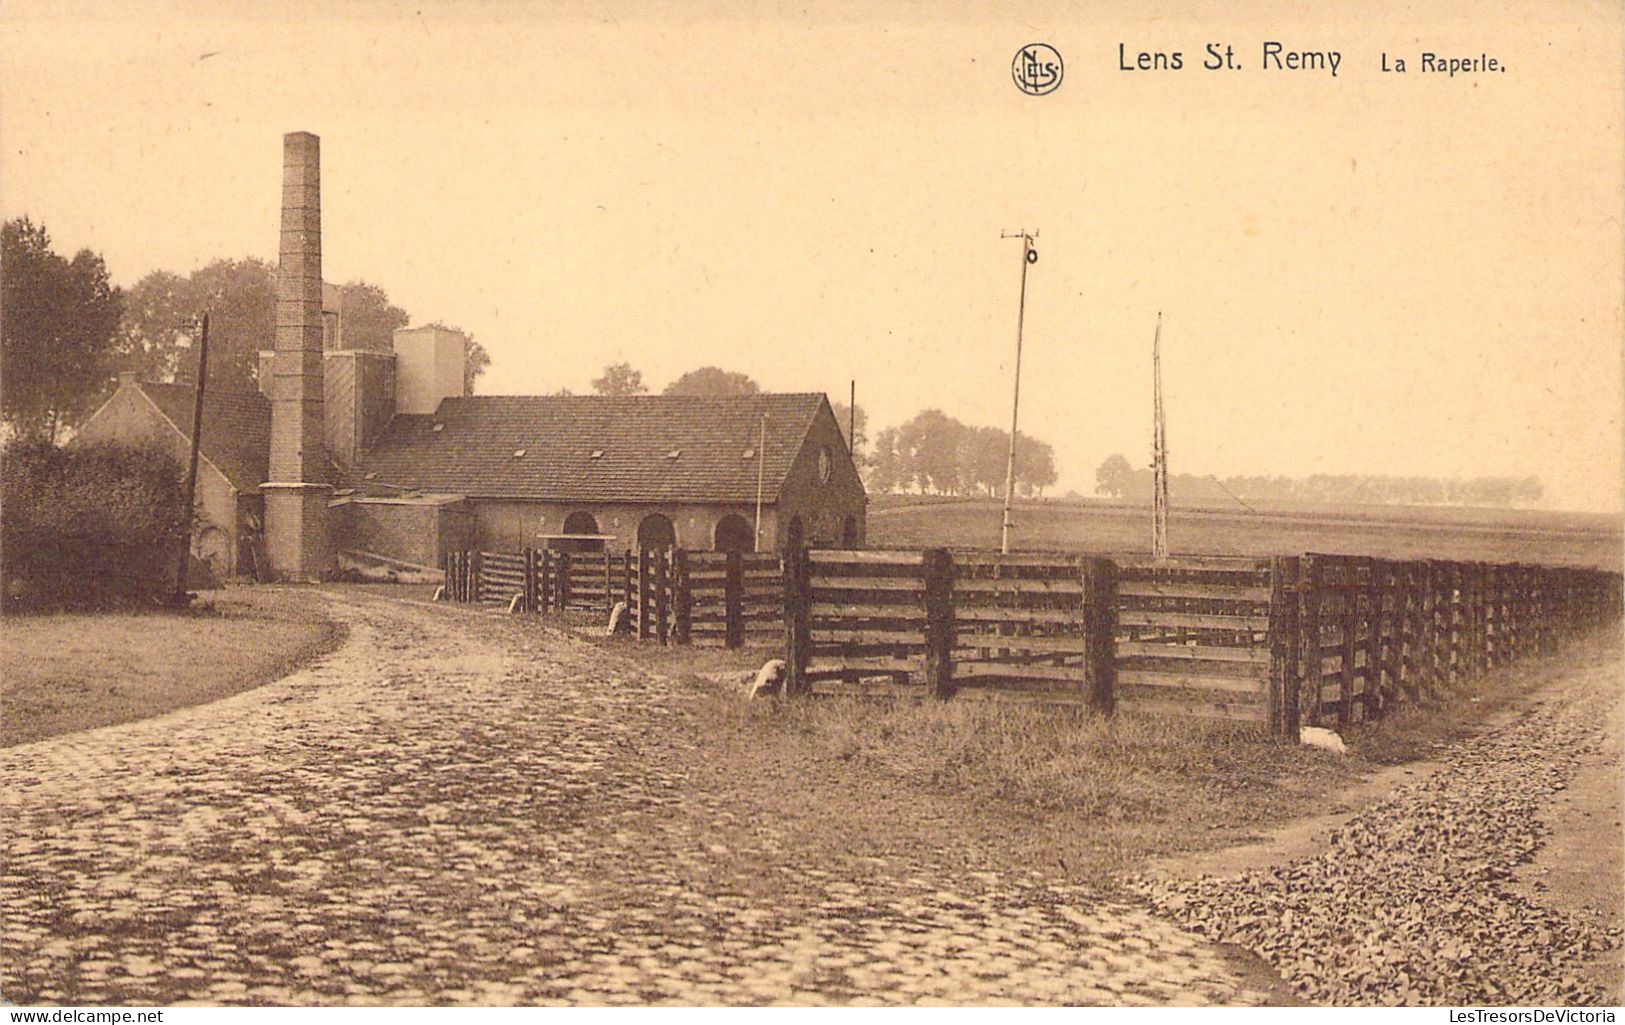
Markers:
{"x": 691, "y": 504}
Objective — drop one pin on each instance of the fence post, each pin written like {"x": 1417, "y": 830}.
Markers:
{"x": 1309, "y": 598}
{"x": 1415, "y": 629}
{"x": 733, "y": 600}
{"x": 797, "y": 616}
{"x": 561, "y": 580}
{"x": 1100, "y": 633}
{"x": 1376, "y": 596}
{"x": 1350, "y": 614}
{"x": 939, "y": 622}
{"x": 682, "y": 598}
{"x": 645, "y": 626}
{"x": 628, "y": 572}
{"x": 1286, "y": 643}
{"x": 662, "y": 597}
{"x": 529, "y": 588}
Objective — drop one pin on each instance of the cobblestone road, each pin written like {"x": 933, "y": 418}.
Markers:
{"x": 431, "y": 815}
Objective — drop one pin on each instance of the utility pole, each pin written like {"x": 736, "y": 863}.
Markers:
{"x": 180, "y": 598}
{"x": 761, "y": 469}
{"x": 1029, "y": 256}
{"x": 1159, "y": 456}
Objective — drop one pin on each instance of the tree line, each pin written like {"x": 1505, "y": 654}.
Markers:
{"x": 69, "y": 332}
{"x": 934, "y": 453}
{"x": 1117, "y": 478}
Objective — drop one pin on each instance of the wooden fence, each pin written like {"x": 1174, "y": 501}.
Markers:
{"x": 1274, "y": 642}
{"x": 673, "y": 596}
{"x": 1313, "y": 639}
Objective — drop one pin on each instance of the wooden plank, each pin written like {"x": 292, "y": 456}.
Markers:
{"x": 1064, "y": 645}
{"x": 1202, "y": 652}
{"x": 909, "y": 584}
{"x": 1137, "y": 566}
{"x": 1258, "y": 685}
{"x": 1203, "y": 592}
{"x": 970, "y": 614}
{"x": 868, "y": 610}
{"x": 866, "y": 557}
{"x": 1194, "y": 620}
{"x": 1077, "y": 674}
{"x": 822, "y": 635}
{"x": 1013, "y": 585}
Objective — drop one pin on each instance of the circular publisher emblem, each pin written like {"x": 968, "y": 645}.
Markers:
{"x": 1037, "y": 69}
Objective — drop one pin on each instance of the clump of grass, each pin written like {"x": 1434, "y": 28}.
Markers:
{"x": 1067, "y": 788}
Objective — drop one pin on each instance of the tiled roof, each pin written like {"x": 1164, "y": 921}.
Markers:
{"x": 472, "y": 445}
{"x": 236, "y": 429}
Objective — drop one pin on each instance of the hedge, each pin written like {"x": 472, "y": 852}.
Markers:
{"x": 88, "y": 527}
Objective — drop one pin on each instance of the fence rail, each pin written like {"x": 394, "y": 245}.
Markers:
{"x": 1312, "y": 639}
{"x": 673, "y": 596}
{"x": 1273, "y": 642}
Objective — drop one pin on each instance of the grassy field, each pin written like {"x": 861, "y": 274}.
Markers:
{"x": 1055, "y": 788}
{"x": 1396, "y": 532}
{"x": 62, "y": 673}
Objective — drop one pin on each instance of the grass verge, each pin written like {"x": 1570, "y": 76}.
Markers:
{"x": 1056, "y": 789}
{"x": 61, "y": 673}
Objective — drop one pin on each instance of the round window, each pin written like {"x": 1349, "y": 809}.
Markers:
{"x": 826, "y": 465}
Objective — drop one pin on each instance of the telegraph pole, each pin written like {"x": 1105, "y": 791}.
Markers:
{"x": 180, "y": 597}
{"x": 1159, "y": 456}
{"x": 761, "y": 471}
{"x": 1029, "y": 256}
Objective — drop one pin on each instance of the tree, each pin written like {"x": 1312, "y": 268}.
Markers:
{"x": 850, "y": 416}
{"x": 57, "y": 335}
{"x": 1035, "y": 465}
{"x": 156, "y": 336}
{"x": 163, "y": 309}
{"x": 1113, "y": 476}
{"x": 930, "y": 446}
{"x": 885, "y": 466}
{"x": 620, "y": 379}
{"x": 712, "y": 381}
{"x": 367, "y": 319}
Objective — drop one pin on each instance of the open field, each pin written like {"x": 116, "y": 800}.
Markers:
{"x": 1395, "y": 532}
{"x": 61, "y": 673}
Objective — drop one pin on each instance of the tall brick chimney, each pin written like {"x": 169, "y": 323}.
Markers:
{"x": 297, "y": 538}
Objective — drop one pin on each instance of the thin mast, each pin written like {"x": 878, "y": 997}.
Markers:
{"x": 1159, "y": 464}
{"x": 179, "y": 596}
{"x": 1029, "y": 255}
{"x": 761, "y": 467}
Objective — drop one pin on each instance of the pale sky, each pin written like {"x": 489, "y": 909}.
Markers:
{"x": 1366, "y": 273}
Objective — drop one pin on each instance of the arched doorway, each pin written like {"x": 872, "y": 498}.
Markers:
{"x": 734, "y": 534}
{"x": 583, "y": 523}
{"x": 795, "y": 534}
{"x": 849, "y": 532}
{"x": 655, "y": 532}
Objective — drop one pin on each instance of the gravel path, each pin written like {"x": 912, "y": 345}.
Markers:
{"x": 1415, "y": 900}
{"x": 454, "y": 809}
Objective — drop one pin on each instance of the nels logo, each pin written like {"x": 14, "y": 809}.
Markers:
{"x": 1037, "y": 69}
